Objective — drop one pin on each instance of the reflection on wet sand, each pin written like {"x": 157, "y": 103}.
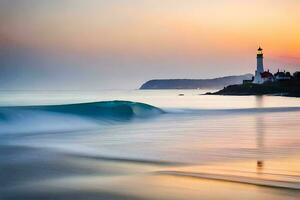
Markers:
{"x": 137, "y": 181}
{"x": 276, "y": 174}
{"x": 89, "y": 178}
{"x": 260, "y": 132}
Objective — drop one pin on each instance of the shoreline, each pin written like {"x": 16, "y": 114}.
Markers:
{"x": 285, "y": 88}
{"x": 239, "y": 94}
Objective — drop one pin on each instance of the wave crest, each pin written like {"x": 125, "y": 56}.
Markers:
{"x": 71, "y": 116}
{"x": 105, "y": 109}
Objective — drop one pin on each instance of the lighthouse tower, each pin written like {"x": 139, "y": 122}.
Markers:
{"x": 259, "y": 67}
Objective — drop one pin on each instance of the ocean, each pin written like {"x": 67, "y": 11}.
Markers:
{"x": 148, "y": 144}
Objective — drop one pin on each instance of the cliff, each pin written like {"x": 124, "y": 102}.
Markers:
{"x": 215, "y": 83}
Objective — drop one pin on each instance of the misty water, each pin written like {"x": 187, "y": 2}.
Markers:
{"x": 86, "y": 145}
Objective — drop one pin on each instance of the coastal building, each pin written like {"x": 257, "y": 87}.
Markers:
{"x": 267, "y": 76}
{"x": 261, "y": 76}
{"x": 281, "y": 76}
{"x": 259, "y": 66}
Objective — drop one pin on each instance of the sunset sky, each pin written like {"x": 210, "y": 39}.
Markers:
{"x": 116, "y": 44}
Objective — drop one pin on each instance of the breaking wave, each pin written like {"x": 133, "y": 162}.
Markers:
{"x": 89, "y": 116}
{"x": 71, "y": 116}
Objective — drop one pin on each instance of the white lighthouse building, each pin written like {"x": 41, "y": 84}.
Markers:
{"x": 259, "y": 67}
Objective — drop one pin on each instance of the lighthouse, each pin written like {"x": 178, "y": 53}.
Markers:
{"x": 259, "y": 66}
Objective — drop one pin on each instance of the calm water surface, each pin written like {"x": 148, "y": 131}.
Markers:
{"x": 181, "y": 148}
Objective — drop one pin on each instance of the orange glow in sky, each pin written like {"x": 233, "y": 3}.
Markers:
{"x": 163, "y": 27}
{"x": 194, "y": 32}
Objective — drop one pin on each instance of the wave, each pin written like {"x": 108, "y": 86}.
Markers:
{"x": 284, "y": 182}
{"x": 71, "y": 116}
{"x": 89, "y": 116}
{"x": 234, "y": 111}
{"x": 105, "y": 109}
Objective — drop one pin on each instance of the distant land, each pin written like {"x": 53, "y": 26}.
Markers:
{"x": 216, "y": 83}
